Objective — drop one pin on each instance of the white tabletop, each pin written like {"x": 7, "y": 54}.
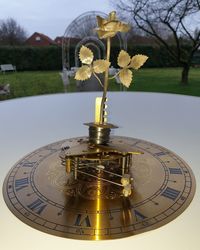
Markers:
{"x": 172, "y": 121}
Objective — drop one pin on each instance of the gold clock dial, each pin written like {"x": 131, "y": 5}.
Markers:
{"x": 40, "y": 193}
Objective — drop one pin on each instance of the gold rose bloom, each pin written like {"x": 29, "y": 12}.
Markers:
{"x": 109, "y": 27}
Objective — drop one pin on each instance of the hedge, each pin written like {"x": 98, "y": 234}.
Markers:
{"x": 32, "y": 58}
{"x": 50, "y": 58}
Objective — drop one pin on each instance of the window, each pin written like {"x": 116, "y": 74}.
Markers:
{"x": 37, "y": 38}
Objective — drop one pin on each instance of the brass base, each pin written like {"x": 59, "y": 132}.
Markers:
{"x": 99, "y": 134}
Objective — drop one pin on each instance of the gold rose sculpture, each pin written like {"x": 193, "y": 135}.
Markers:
{"x": 108, "y": 28}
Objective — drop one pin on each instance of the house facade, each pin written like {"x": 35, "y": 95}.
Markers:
{"x": 39, "y": 39}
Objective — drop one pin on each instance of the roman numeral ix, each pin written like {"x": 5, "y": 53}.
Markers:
{"x": 170, "y": 193}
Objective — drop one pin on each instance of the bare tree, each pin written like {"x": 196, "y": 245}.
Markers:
{"x": 198, "y": 3}
{"x": 11, "y": 33}
{"x": 160, "y": 17}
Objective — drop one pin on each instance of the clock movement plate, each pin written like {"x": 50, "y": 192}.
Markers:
{"x": 39, "y": 192}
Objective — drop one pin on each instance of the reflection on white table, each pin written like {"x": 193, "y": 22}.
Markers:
{"x": 172, "y": 121}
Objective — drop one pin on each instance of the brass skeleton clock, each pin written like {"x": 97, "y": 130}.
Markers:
{"x": 38, "y": 191}
{"x": 100, "y": 186}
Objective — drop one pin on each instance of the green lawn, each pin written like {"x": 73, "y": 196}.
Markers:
{"x": 31, "y": 83}
{"x": 150, "y": 80}
{"x": 166, "y": 81}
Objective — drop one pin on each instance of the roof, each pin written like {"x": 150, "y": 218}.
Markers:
{"x": 73, "y": 40}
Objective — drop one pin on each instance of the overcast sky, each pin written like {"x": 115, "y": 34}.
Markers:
{"x": 50, "y": 17}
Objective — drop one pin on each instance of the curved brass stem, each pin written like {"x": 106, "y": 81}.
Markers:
{"x": 98, "y": 79}
{"x": 105, "y": 89}
{"x": 110, "y": 78}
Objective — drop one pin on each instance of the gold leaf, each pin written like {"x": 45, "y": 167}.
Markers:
{"x": 86, "y": 55}
{"x": 126, "y": 77}
{"x": 100, "y": 66}
{"x": 83, "y": 73}
{"x": 138, "y": 60}
{"x": 123, "y": 59}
